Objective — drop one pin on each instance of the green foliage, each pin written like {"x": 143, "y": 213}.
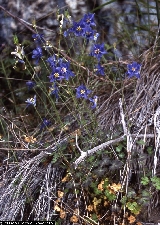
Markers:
{"x": 15, "y": 40}
{"x": 133, "y": 207}
{"x": 119, "y": 148}
{"x": 145, "y": 181}
{"x": 156, "y": 182}
{"x": 123, "y": 200}
{"x": 144, "y": 200}
{"x": 94, "y": 217}
{"x": 150, "y": 150}
{"x": 110, "y": 196}
{"x": 141, "y": 142}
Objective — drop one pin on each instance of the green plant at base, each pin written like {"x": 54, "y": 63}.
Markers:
{"x": 133, "y": 207}
{"x": 156, "y": 182}
{"x": 145, "y": 181}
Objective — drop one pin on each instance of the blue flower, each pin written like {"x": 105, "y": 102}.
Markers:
{"x": 31, "y": 101}
{"x": 82, "y": 92}
{"x": 66, "y": 72}
{"x": 38, "y": 38}
{"x": 37, "y": 54}
{"x": 53, "y": 90}
{"x": 30, "y": 84}
{"x": 94, "y": 101}
{"x": 89, "y": 33}
{"x": 78, "y": 28}
{"x": 45, "y": 123}
{"x": 52, "y": 61}
{"x": 133, "y": 70}
{"x": 98, "y": 51}
{"x": 56, "y": 74}
{"x": 89, "y": 19}
{"x": 99, "y": 69}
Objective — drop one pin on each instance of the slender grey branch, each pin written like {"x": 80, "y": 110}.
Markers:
{"x": 105, "y": 144}
{"x": 31, "y": 25}
{"x": 78, "y": 145}
{"x": 95, "y": 149}
{"x": 122, "y": 117}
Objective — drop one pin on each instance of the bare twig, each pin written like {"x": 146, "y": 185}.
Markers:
{"x": 105, "y": 144}
{"x": 122, "y": 118}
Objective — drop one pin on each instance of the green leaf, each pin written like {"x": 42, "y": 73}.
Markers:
{"x": 106, "y": 182}
{"x": 15, "y": 39}
{"x": 97, "y": 192}
{"x": 94, "y": 217}
{"x": 133, "y": 207}
{"x": 121, "y": 155}
{"x": 156, "y": 182}
{"x": 91, "y": 158}
{"x": 110, "y": 196}
{"x": 123, "y": 200}
{"x": 119, "y": 148}
{"x": 145, "y": 194}
{"x": 93, "y": 185}
{"x": 150, "y": 150}
{"x": 54, "y": 159}
{"x": 76, "y": 191}
{"x": 144, "y": 180}
{"x": 131, "y": 193}
{"x": 140, "y": 142}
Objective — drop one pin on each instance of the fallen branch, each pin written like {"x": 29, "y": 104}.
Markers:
{"x": 103, "y": 145}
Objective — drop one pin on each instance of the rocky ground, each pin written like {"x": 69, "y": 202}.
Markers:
{"x": 112, "y": 20}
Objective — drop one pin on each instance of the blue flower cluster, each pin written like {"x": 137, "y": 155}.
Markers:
{"x": 83, "y": 28}
{"x": 53, "y": 90}
{"x": 60, "y": 68}
{"x": 99, "y": 69}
